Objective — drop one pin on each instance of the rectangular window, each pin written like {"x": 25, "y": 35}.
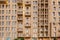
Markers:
{"x": 59, "y": 3}
{"x": 2, "y": 17}
{"x": 8, "y": 11}
{"x": 8, "y": 23}
{"x": 59, "y": 13}
{"x": 53, "y": 13}
{"x": 13, "y": 17}
{"x": 7, "y": 17}
{"x": 53, "y": 2}
{"x": 13, "y": 11}
{"x": 7, "y": 28}
{"x": 13, "y": 23}
{"x": 2, "y": 23}
{"x": 35, "y": 2}
{"x": 2, "y": 12}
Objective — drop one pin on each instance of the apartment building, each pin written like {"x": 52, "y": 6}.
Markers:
{"x": 30, "y": 19}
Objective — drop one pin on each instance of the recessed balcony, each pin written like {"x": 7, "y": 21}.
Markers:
{"x": 27, "y": 35}
{"x": 28, "y": 3}
{"x": 27, "y": 14}
{"x": 20, "y": 29}
{"x": 28, "y": 25}
{"x": 19, "y": 2}
{"x": 3, "y": 1}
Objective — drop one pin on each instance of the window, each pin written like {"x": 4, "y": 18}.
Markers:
{"x": 14, "y": 1}
{"x": 14, "y": 6}
{"x": 53, "y": 2}
{"x": 54, "y": 34}
{"x": 8, "y": 11}
{"x": 53, "y": 23}
{"x": 27, "y": 8}
{"x": 7, "y": 29}
{"x": 35, "y": 30}
{"x": 59, "y": 13}
{"x": 35, "y": 13}
{"x": 8, "y": 38}
{"x": 3, "y": 6}
{"x": 54, "y": 29}
{"x": 34, "y": 2}
{"x": 53, "y": 13}
{"x": 2, "y": 17}
{"x": 59, "y": 18}
{"x": 59, "y": 2}
{"x": 2, "y": 11}
{"x": 13, "y": 17}
{"x": 54, "y": 8}
{"x": 13, "y": 11}
{"x": 2, "y": 34}
{"x": 8, "y": 6}
{"x": 13, "y": 28}
{"x": 35, "y": 7}
{"x": 34, "y": 38}
{"x": 8, "y": 1}
{"x": 8, "y": 23}
{"x": 2, "y": 28}
{"x": 54, "y": 18}
{"x": 13, "y": 23}
{"x": 2, "y": 23}
{"x": 27, "y": 30}
{"x": 7, "y": 17}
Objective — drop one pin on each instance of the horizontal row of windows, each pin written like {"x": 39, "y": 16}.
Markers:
{"x": 55, "y": 2}
{"x": 7, "y": 28}
{"x": 13, "y": 23}
{"x": 55, "y": 13}
{"x": 8, "y": 11}
{"x": 7, "y": 17}
{"x": 8, "y": 34}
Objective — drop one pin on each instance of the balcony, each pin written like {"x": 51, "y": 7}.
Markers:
{"x": 27, "y": 35}
{"x": 28, "y": 3}
{"x": 20, "y": 18}
{"x": 20, "y": 30}
{"x": 28, "y": 25}
{"x": 19, "y": 2}
{"x": 3, "y": 1}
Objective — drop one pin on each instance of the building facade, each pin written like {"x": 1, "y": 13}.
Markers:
{"x": 30, "y": 19}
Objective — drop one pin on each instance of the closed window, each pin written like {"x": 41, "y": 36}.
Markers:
{"x": 59, "y": 13}
{"x": 35, "y": 2}
{"x": 8, "y": 23}
{"x": 7, "y": 17}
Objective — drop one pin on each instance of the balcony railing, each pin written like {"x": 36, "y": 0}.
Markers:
{"x": 20, "y": 18}
{"x": 28, "y": 25}
{"x": 3, "y": 1}
{"x": 27, "y": 35}
{"x": 19, "y": 2}
{"x": 28, "y": 3}
{"x": 20, "y": 29}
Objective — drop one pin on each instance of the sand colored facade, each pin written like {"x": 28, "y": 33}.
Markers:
{"x": 31, "y": 19}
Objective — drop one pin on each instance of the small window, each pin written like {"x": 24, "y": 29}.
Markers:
{"x": 59, "y": 13}
{"x": 53, "y": 13}
{"x": 53, "y": 2}
{"x": 59, "y": 2}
